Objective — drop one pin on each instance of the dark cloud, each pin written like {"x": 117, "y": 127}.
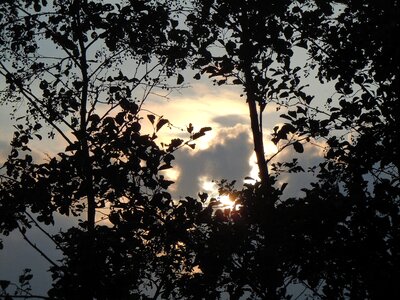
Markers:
{"x": 226, "y": 158}
{"x": 230, "y": 120}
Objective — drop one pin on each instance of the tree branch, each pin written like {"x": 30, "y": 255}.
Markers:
{"x": 28, "y": 96}
{"x": 42, "y": 230}
{"x": 22, "y": 231}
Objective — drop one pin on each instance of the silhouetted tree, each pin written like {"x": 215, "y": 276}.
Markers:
{"x": 340, "y": 239}
{"x": 355, "y": 251}
{"x": 83, "y": 70}
{"x": 250, "y": 44}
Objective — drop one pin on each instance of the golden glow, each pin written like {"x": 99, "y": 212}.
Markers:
{"x": 173, "y": 175}
{"x": 212, "y": 190}
{"x": 226, "y": 201}
{"x": 205, "y": 141}
{"x": 209, "y": 186}
{"x": 253, "y": 171}
{"x": 270, "y": 148}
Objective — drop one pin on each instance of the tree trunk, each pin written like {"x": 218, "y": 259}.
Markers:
{"x": 255, "y": 116}
{"x": 89, "y": 253}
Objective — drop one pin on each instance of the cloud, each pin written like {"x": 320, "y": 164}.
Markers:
{"x": 225, "y": 158}
{"x": 199, "y": 105}
{"x": 4, "y": 151}
{"x": 230, "y": 120}
{"x": 312, "y": 156}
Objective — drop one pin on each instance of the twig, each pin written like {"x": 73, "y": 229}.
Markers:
{"x": 42, "y": 230}
{"x": 35, "y": 247}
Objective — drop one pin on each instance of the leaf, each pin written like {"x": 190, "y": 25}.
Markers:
{"x": 284, "y": 95}
{"x": 196, "y": 135}
{"x": 114, "y": 89}
{"x": 197, "y": 76}
{"x": 190, "y": 128}
{"x": 166, "y": 183}
{"x": 43, "y": 85}
{"x": 288, "y": 128}
{"x": 94, "y": 118}
{"x": 37, "y": 126}
{"x": 164, "y": 167}
{"x": 292, "y": 114}
{"x": 221, "y": 82}
{"x": 175, "y": 143}
{"x": 205, "y": 129}
{"x": 180, "y": 79}
{"x": 151, "y": 118}
{"x": 298, "y": 147}
{"x": 237, "y": 81}
{"x": 4, "y": 284}
{"x": 286, "y": 117}
{"x": 161, "y": 123}
{"x": 28, "y": 277}
{"x": 288, "y": 32}
{"x": 283, "y": 186}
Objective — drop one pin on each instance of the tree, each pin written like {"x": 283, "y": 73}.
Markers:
{"x": 339, "y": 239}
{"x": 250, "y": 44}
{"x": 254, "y": 50}
{"x": 344, "y": 230}
{"x": 67, "y": 62}
{"x": 351, "y": 43}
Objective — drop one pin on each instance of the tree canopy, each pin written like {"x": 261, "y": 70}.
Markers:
{"x": 84, "y": 70}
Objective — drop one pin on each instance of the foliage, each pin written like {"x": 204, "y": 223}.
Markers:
{"x": 250, "y": 44}
{"x": 361, "y": 167}
{"x": 67, "y": 61}
{"x": 339, "y": 239}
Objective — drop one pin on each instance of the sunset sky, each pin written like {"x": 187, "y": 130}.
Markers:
{"x": 226, "y": 152}
{"x": 125, "y": 127}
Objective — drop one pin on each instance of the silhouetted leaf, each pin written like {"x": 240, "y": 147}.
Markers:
{"x": 180, "y": 79}
{"x": 161, "y": 123}
{"x": 298, "y": 147}
{"x": 151, "y": 118}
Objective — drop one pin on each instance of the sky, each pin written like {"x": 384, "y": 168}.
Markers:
{"x": 225, "y": 152}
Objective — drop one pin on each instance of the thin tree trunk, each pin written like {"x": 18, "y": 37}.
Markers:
{"x": 89, "y": 253}
{"x": 255, "y": 128}
{"x": 255, "y": 116}
{"x": 253, "y": 98}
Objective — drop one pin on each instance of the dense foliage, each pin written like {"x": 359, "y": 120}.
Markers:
{"x": 337, "y": 239}
{"x": 67, "y": 61}
{"x": 341, "y": 238}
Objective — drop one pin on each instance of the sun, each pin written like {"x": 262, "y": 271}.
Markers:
{"x": 226, "y": 201}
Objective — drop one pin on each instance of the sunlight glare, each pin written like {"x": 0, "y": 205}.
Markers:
{"x": 209, "y": 186}
{"x": 270, "y": 148}
{"x": 226, "y": 201}
{"x": 205, "y": 141}
{"x": 253, "y": 170}
{"x": 172, "y": 174}
{"x": 212, "y": 190}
